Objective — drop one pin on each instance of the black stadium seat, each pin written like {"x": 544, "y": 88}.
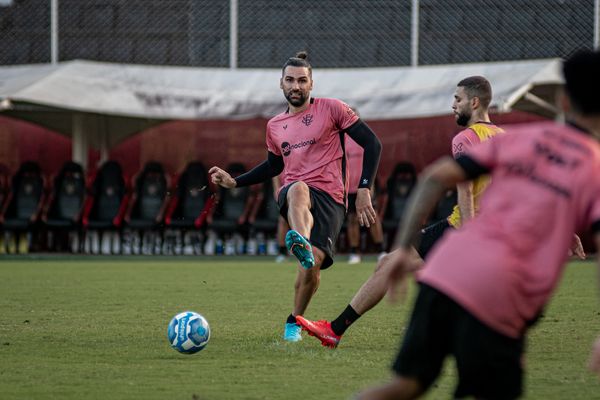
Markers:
{"x": 62, "y": 213}
{"x": 146, "y": 210}
{"x": 105, "y": 208}
{"x": 23, "y": 206}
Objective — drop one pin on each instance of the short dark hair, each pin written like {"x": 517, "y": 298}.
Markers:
{"x": 300, "y": 60}
{"x": 582, "y": 82}
{"x": 478, "y": 86}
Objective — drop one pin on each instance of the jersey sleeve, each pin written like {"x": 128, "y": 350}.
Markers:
{"x": 462, "y": 142}
{"x": 271, "y": 145}
{"x": 342, "y": 114}
{"x": 485, "y": 154}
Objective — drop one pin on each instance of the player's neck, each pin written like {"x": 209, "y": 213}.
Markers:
{"x": 479, "y": 117}
{"x": 295, "y": 110}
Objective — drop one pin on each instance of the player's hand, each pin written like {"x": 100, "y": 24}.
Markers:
{"x": 577, "y": 248}
{"x": 221, "y": 178}
{"x": 594, "y": 363}
{"x": 399, "y": 264}
{"x": 365, "y": 213}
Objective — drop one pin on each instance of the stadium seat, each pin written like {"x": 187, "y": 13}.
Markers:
{"x": 146, "y": 210}
{"x": 265, "y": 211}
{"x": 104, "y": 210}
{"x": 4, "y": 183}
{"x": 188, "y": 210}
{"x": 22, "y": 207}
{"x": 230, "y": 217}
{"x": 398, "y": 188}
{"x": 263, "y": 220}
{"x": 62, "y": 211}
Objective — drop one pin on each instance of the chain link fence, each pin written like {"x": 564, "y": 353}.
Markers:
{"x": 489, "y": 30}
{"x": 337, "y": 33}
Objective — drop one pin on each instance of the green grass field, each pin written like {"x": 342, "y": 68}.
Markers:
{"x": 95, "y": 328}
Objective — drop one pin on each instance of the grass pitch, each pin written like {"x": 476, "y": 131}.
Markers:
{"x": 95, "y": 328}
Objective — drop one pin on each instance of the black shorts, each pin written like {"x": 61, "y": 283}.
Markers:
{"x": 430, "y": 236}
{"x": 488, "y": 363}
{"x": 328, "y": 217}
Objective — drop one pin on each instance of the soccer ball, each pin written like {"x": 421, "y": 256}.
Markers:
{"x": 188, "y": 332}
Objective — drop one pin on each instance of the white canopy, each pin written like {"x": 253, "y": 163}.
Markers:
{"x": 102, "y": 103}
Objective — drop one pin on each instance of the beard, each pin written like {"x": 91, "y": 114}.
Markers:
{"x": 296, "y": 102}
{"x": 462, "y": 119}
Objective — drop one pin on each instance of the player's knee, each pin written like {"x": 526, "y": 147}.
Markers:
{"x": 319, "y": 256}
{"x": 298, "y": 193}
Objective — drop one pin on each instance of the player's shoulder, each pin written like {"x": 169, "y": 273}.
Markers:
{"x": 277, "y": 120}
{"x": 466, "y": 134}
{"x": 278, "y": 117}
{"x": 326, "y": 100}
{"x": 330, "y": 102}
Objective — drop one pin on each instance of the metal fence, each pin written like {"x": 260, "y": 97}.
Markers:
{"x": 263, "y": 33}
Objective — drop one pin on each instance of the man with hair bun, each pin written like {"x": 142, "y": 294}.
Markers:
{"x": 305, "y": 144}
{"x": 485, "y": 284}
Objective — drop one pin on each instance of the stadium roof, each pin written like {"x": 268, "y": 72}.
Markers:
{"x": 113, "y": 101}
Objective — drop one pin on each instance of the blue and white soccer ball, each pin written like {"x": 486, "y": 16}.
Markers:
{"x": 188, "y": 332}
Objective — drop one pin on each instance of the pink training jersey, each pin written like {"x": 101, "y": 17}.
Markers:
{"x": 311, "y": 145}
{"x": 503, "y": 265}
{"x": 354, "y": 157}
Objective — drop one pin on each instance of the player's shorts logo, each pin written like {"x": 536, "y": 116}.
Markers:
{"x": 307, "y": 119}
{"x": 287, "y": 148}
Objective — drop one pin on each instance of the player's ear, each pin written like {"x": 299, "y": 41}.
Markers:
{"x": 281, "y": 83}
{"x": 475, "y": 102}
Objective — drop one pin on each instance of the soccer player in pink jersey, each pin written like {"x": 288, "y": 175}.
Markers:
{"x": 471, "y": 102}
{"x": 486, "y": 283}
{"x": 306, "y": 145}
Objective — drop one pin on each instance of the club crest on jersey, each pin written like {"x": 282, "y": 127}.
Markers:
{"x": 307, "y": 119}
{"x": 458, "y": 149}
{"x": 287, "y": 148}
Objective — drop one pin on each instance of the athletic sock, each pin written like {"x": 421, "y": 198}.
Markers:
{"x": 354, "y": 250}
{"x": 381, "y": 247}
{"x": 291, "y": 319}
{"x": 343, "y": 322}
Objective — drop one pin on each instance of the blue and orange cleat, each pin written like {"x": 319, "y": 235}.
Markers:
{"x": 321, "y": 330}
{"x": 292, "y": 332}
{"x": 301, "y": 248}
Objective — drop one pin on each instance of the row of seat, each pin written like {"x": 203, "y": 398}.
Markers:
{"x": 153, "y": 200}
